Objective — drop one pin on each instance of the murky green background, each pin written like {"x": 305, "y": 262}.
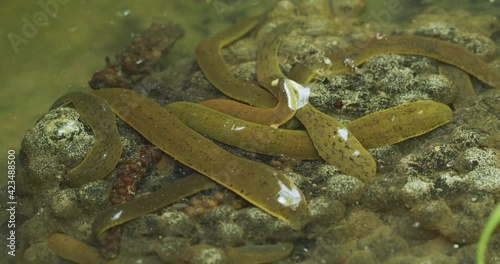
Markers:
{"x": 49, "y": 50}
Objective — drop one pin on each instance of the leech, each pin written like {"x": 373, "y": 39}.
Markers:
{"x": 465, "y": 95}
{"x": 268, "y": 70}
{"x": 336, "y": 144}
{"x": 209, "y": 57}
{"x": 393, "y": 125}
{"x": 242, "y": 134}
{"x": 440, "y": 50}
{"x": 290, "y": 99}
{"x": 248, "y": 254}
{"x": 168, "y": 194}
{"x": 71, "y": 249}
{"x": 107, "y": 149}
{"x": 408, "y": 120}
{"x": 258, "y": 183}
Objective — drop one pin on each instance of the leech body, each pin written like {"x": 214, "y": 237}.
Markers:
{"x": 71, "y": 249}
{"x": 209, "y": 57}
{"x": 258, "y": 183}
{"x": 336, "y": 144}
{"x": 248, "y": 254}
{"x": 107, "y": 149}
{"x": 420, "y": 46}
{"x": 268, "y": 70}
{"x": 168, "y": 194}
{"x": 268, "y": 67}
{"x": 395, "y": 125}
{"x": 243, "y": 134}
{"x": 465, "y": 95}
{"x": 273, "y": 117}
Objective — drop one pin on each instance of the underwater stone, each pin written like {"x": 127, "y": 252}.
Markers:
{"x": 416, "y": 190}
{"x": 437, "y": 157}
{"x": 484, "y": 179}
{"x": 177, "y": 224}
{"x": 144, "y": 226}
{"x": 324, "y": 171}
{"x": 133, "y": 248}
{"x": 450, "y": 183}
{"x": 260, "y": 227}
{"x": 436, "y": 215}
{"x": 65, "y": 204}
{"x": 360, "y": 223}
{"x": 349, "y": 7}
{"x": 480, "y": 45}
{"x": 434, "y": 258}
{"x": 229, "y": 233}
{"x": 437, "y": 86}
{"x": 208, "y": 256}
{"x": 36, "y": 229}
{"x": 466, "y": 137}
{"x": 313, "y": 8}
{"x": 360, "y": 256}
{"x": 396, "y": 81}
{"x": 326, "y": 210}
{"x": 473, "y": 158}
{"x": 383, "y": 244}
{"x": 171, "y": 249}
{"x": 490, "y": 100}
{"x": 379, "y": 65}
{"x": 345, "y": 188}
{"x": 386, "y": 157}
{"x": 94, "y": 195}
{"x": 39, "y": 253}
{"x": 57, "y": 143}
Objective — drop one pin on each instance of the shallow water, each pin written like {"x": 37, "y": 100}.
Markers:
{"x": 80, "y": 34}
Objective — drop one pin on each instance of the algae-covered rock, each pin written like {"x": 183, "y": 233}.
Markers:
{"x": 58, "y": 142}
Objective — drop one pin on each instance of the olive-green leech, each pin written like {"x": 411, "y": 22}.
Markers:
{"x": 209, "y": 57}
{"x": 336, "y": 144}
{"x": 399, "y": 123}
{"x": 107, "y": 149}
{"x": 465, "y": 94}
{"x": 290, "y": 97}
{"x": 258, "y": 183}
{"x": 71, "y": 249}
{"x": 239, "y": 133}
{"x": 124, "y": 212}
{"x": 268, "y": 67}
{"x": 268, "y": 70}
{"x": 248, "y": 254}
{"x": 390, "y": 126}
{"x": 414, "y": 45}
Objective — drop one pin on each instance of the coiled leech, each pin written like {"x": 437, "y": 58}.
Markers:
{"x": 268, "y": 70}
{"x": 107, "y": 148}
{"x": 209, "y": 57}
